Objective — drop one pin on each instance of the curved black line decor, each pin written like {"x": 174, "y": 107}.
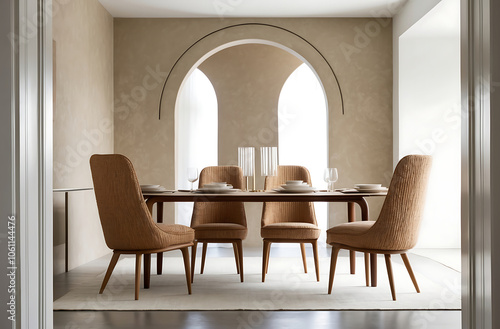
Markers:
{"x": 249, "y": 24}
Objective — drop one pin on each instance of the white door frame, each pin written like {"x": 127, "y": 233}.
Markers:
{"x": 479, "y": 264}
{"x": 33, "y": 154}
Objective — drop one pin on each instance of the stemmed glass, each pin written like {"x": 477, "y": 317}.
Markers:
{"x": 192, "y": 175}
{"x": 330, "y": 176}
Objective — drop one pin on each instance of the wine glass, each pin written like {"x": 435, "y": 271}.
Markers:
{"x": 192, "y": 175}
{"x": 330, "y": 176}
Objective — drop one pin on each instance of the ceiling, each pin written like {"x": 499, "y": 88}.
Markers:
{"x": 251, "y": 8}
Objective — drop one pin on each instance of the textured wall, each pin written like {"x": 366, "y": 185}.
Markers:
{"x": 359, "y": 50}
{"x": 83, "y": 122}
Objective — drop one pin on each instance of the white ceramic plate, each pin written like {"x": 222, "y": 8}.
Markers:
{"x": 368, "y": 186}
{"x": 164, "y": 190}
{"x": 300, "y": 190}
{"x": 217, "y": 190}
{"x": 149, "y": 186}
{"x": 296, "y": 187}
{"x": 372, "y": 190}
{"x": 156, "y": 188}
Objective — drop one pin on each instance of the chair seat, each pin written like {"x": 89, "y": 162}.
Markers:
{"x": 178, "y": 234}
{"x": 290, "y": 230}
{"x": 222, "y": 231}
{"x": 349, "y": 234}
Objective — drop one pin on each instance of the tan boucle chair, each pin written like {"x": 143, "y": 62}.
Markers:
{"x": 126, "y": 221}
{"x": 396, "y": 229}
{"x": 289, "y": 222}
{"x": 220, "y": 222}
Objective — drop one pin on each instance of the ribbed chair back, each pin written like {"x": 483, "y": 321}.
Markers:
{"x": 398, "y": 224}
{"x": 280, "y": 212}
{"x": 125, "y": 218}
{"x": 220, "y": 212}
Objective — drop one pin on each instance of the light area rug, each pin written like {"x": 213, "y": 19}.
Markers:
{"x": 287, "y": 287}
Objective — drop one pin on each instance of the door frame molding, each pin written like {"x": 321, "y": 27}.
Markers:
{"x": 33, "y": 156}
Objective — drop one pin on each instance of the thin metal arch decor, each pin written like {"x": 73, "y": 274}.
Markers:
{"x": 249, "y": 24}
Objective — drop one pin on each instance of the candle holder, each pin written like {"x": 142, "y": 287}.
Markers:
{"x": 246, "y": 160}
{"x": 268, "y": 161}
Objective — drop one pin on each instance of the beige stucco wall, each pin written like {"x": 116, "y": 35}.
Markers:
{"x": 83, "y": 122}
{"x": 247, "y": 80}
{"x": 358, "y": 49}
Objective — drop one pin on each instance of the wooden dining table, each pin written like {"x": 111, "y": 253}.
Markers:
{"x": 351, "y": 199}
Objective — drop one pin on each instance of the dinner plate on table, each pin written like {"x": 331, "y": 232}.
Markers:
{"x": 360, "y": 190}
{"x": 372, "y": 190}
{"x": 298, "y": 190}
{"x": 155, "y": 189}
{"x": 217, "y": 190}
{"x": 150, "y": 186}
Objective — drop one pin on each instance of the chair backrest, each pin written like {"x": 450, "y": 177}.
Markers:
{"x": 398, "y": 224}
{"x": 220, "y": 212}
{"x": 279, "y": 212}
{"x": 125, "y": 218}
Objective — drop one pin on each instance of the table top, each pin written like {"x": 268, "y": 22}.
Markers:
{"x": 72, "y": 189}
{"x": 257, "y": 196}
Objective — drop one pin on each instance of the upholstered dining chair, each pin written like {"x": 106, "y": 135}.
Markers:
{"x": 126, "y": 221}
{"x": 396, "y": 229}
{"x": 288, "y": 222}
{"x": 220, "y": 222}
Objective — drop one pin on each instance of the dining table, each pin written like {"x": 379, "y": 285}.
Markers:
{"x": 350, "y": 197}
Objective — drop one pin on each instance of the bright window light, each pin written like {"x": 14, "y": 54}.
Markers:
{"x": 302, "y": 117}
{"x": 196, "y": 134}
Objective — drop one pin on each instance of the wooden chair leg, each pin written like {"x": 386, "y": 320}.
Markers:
{"x": 236, "y": 257}
{"x": 111, "y": 267}
{"x": 265, "y": 259}
{"x": 185, "y": 255}
{"x": 389, "y": 273}
{"x": 333, "y": 264}
{"x": 410, "y": 271}
{"x": 268, "y": 256}
{"x": 193, "y": 259}
{"x": 239, "y": 244}
{"x": 147, "y": 270}
{"x": 203, "y": 256}
{"x": 316, "y": 259}
{"x": 303, "y": 252}
{"x": 138, "y": 259}
{"x": 367, "y": 269}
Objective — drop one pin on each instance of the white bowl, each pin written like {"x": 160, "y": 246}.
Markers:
{"x": 150, "y": 186}
{"x": 217, "y": 185}
{"x": 296, "y": 187}
{"x": 368, "y": 186}
{"x": 294, "y": 182}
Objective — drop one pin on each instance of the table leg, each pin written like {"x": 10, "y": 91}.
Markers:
{"x": 66, "y": 231}
{"x": 147, "y": 270}
{"x": 159, "y": 256}
{"x": 373, "y": 257}
{"x": 351, "y": 217}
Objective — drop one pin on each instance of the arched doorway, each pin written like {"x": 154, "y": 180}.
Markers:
{"x": 196, "y": 131}
{"x": 303, "y": 131}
